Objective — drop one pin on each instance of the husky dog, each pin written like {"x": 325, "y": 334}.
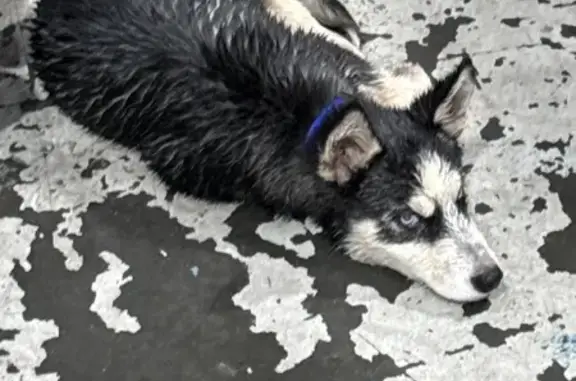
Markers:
{"x": 258, "y": 101}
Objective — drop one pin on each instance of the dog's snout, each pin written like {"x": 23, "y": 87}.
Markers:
{"x": 488, "y": 279}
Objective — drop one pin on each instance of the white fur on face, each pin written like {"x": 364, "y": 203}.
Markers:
{"x": 439, "y": 184}
{"x": 438, "y": 179}
{"x": 422, "y": 204}
{"x": 294, "y": 15}
{"x": 446, "y": 266}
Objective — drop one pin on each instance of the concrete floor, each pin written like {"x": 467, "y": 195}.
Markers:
{"x": 105, "y": 277}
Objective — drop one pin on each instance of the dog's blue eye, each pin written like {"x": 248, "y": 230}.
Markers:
{"x": 409, "y": 219}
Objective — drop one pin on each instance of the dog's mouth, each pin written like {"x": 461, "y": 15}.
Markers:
{"x": 465, "y": 287}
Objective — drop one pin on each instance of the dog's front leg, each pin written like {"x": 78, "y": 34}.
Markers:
{"x": 297, "y": 16}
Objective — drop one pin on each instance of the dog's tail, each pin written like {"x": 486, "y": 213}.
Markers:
{"x": 334, "y": 15}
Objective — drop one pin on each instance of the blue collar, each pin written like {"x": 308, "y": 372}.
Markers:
{"x": 327, "y": 112}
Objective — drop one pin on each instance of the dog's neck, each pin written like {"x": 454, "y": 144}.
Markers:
{"x": 327, "y": 119}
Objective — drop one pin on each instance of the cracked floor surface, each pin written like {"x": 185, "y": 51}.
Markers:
{"x": 104, "y": 276}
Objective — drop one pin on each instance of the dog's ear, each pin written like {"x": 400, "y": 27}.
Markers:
{"x": 450, "y": 97}
{"x": 350, "y": 147}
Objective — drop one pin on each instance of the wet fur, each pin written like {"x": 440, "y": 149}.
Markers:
{"x": 217, "y": 96}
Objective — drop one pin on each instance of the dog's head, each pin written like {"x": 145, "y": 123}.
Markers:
{"x": 401, "y": 171}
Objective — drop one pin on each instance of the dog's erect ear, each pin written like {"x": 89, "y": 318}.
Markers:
{"x": 349, "y": 148}
{"x": 451, "y": 97}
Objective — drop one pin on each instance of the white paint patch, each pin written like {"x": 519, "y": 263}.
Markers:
{"x": 25, "y": 351}
{"x": 163, "y": 253}
{"x": 107, "y": 288}
{"x": 194, "y": 270}
{"x": 62, "y": 239}
{"x": 274, "y": 295}
{"x": 281, "y": 232}
{"x": 410, "y": 336}
{"x": 249, "y": 370}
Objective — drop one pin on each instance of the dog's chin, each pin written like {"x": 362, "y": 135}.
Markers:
{"x": 458, "y": 293}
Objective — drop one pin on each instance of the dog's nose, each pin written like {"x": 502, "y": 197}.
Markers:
{"x": 488, "y": 280}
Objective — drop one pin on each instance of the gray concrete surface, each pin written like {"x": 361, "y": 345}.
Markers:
{"x": 104, "y": 276}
